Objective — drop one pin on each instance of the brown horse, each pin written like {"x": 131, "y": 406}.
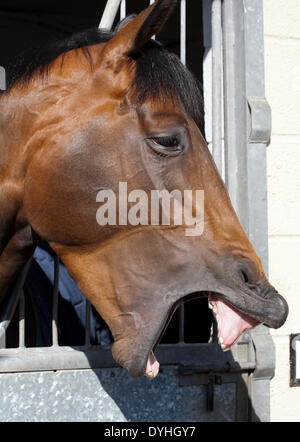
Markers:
{"x": 107, "y": 110}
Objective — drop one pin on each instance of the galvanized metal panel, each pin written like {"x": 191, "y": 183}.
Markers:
{"x": 109, "y": 395}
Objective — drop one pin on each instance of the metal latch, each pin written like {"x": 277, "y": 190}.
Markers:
{"x": 213, "y": 379}
{"x": 223, "y": 371}
{"x": 260, "y": 120}
{"x": 192, "y": 376}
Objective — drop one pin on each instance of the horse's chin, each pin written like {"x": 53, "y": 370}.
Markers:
{"x": 135, "y": 350}
{"x": 137, "y": 359}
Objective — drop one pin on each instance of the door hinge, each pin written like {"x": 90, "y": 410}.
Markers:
{"x": 260, "y": 120}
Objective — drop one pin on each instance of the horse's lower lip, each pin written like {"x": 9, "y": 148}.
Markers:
{"x": 152, "y": 366}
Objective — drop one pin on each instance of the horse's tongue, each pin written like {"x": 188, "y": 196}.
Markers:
{"x": 152, "y": 367}
{"x": 231, "y": 323}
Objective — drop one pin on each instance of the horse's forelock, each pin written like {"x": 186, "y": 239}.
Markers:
{"x": 160, "y": 75}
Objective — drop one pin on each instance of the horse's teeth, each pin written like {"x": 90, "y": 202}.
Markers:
{"x": 210, "y": 306}
{"x": 223, "y": 346}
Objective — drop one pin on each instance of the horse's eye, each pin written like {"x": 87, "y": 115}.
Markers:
{"x": 167, "y": 141}
{"x": 166, "y": 145}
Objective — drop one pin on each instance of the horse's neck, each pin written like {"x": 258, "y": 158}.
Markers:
{"x": 10, "y": 184}
{"x": 14, "y": 124}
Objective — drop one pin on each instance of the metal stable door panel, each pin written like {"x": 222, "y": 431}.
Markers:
{"x": 110, "y": 396}
{"x": 208, "y": 386}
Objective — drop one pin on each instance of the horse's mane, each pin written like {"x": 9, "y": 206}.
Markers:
{"x": 38, "y": 59}
{"x": 159, "y": 72}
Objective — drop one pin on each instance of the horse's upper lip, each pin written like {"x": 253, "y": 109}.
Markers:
{"x": 270, "y": 309}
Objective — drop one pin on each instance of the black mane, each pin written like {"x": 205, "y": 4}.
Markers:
{"x": 159, "y": 73}
{"x": 38, "y": 60}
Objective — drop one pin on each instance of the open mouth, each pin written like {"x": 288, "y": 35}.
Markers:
{"x": 235, "y": 310}
{"x": 231, "y": 325}
{"x": 152, "y": 365}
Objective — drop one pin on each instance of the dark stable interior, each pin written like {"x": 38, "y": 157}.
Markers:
{"x": 24, "y": 25}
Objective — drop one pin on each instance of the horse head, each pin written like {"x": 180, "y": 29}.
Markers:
{"x": 127, "y": 117}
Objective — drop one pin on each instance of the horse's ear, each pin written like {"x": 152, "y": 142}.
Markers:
{"x": 132, "y": 36}
{"x": 124, "y": 22}
{"x": 152, "y": 24}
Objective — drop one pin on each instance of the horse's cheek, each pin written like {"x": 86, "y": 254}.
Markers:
{"x": 59, "y": 202}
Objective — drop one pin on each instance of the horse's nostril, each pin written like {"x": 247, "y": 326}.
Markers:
{"x": 254, "y": 288}
{"x": 244, "y": 276}
{"x": 246, "y": 279}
